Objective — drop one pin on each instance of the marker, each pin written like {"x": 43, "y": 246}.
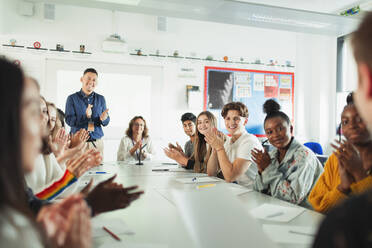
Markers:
{"x": 206, "y": 185}
{"x": 112, "y": 234}
{"x": 301, "y": 233}
{"x": 274, "y": 215}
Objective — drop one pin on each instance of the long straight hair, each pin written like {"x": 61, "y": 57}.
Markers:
{"x": 12, "y": 184}
{"x": 201, "y": 153}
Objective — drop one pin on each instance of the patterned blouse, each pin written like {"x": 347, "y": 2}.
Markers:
{"x": 293, "y": 178}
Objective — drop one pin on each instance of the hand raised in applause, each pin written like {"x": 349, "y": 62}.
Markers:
{"x": 261, "y": 158}
{"x": 88, "y": 111}
{"x": 104, "y": 115}
{"x": 108, "y": 196}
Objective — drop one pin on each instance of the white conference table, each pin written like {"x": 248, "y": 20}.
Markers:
{"x": 154, "y": 217}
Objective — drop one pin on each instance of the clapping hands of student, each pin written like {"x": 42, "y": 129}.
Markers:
{"x": 67, "y": 223}
{"x": 261, "y": 159}
{"x": 349, "y": 159}
{"x": 75, "y": 147}
{"x": 59, "y": 142}
{"x": 214, "y": 139}
{"x": 79, "y": 137}
{"x": 104, "y": 115}
{"x": 78, "y": 166}
{"x": 177, "y": 147}
{"x": 108, "y": 196}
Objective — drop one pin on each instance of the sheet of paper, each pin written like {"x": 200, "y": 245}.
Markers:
{"x": 278, "y": 213}
{"x": 116, "y": 226}
{"x": 197, "y": 180}
{"x": 290, "y": 234}
{"x": 165, "y": 166}
{"x": 122, "y": 244}
{"x": 239, "y": 190}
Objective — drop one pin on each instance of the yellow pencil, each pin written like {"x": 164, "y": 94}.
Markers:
{"x": 206, "y": 185}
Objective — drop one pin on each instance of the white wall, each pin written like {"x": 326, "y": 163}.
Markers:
{"x": 313, "y": 55}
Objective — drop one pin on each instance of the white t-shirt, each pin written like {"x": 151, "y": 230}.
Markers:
{"x": 242, "y": 148}
{"x": 17, "y": 231}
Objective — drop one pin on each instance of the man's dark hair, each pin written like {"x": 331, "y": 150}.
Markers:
{"x": 188, "y": 117}
{"x": 92, "y": 70}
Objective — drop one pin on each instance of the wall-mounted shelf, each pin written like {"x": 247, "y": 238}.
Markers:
{"x": 78, "y": 52}
{"x": 15, "y": 46}
{"x": 38, "y": 49}
{"x": 61, "y": 51}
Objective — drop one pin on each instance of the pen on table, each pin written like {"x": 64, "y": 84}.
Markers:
{"x": 274, "y": 215}
{"x": 160, "y": 169}
{"x": 301, "y": 233}
{"x": 206, "y": 185}
{"x": 98, "y": 172}
{"x": 112, "y": 234}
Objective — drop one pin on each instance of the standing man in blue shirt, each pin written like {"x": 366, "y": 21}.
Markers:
{"x": 87, "y": 109}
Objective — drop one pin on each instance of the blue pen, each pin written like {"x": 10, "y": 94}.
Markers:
{"x": 98, "y": 172}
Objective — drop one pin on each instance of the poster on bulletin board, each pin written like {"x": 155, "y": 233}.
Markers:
{"x": 251, "y": 87}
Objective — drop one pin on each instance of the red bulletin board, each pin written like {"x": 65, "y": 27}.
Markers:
{"x": 253, "y": 88}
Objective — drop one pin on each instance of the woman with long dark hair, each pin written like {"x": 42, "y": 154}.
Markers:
{"x": 21, "y": 143}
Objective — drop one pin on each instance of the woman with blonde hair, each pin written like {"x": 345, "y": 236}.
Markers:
{"x": 205, "y": 123}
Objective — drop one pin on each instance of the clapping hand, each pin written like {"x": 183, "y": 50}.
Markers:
{"x": 108, "y": 196}
{"x": 88, "y": 111}
{"x": 214, "y": 139}
{"x": 79, "y": 137}
{"x": 350, "y": 159}
{"x": 104, "y": 115}
{"x": 261, "y": 159}
{"x": 59, "y": 142}
{"x": 67, "y": 223}
{"x": 78, "y": 166}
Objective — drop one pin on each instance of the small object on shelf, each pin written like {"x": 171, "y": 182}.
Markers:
{"x": 13, "y": 42}
{"x": 59, "y": 47}
{"x": 241, "y": 59}
{"x": 176, "y": 54}
{"x": 209, "y": 57}
{"x": 37, "y": 45}
{"x": 225, "y": 58}
{"x": 257, "y": 61}
{"x": 139, "y": 52}
{"x": 82, "y": 48}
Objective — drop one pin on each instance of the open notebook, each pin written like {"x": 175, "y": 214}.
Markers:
{"x": 216, "y": 218}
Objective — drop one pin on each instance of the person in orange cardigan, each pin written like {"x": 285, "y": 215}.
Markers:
{"x": 346, "y": 171}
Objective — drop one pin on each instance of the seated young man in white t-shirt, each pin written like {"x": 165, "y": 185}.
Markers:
{"x": 233, "y": 158}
